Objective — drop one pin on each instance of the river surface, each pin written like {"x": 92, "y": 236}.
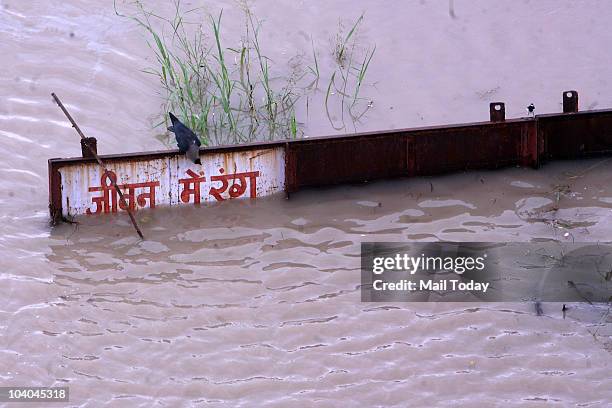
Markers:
{"x": 258, "y": 303}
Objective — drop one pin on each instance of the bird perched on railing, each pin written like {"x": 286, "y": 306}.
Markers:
{"x": 531, "y": 109}
{"x": 186, "y": 140}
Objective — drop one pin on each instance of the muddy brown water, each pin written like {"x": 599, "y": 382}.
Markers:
{"x": 257, "y": 303}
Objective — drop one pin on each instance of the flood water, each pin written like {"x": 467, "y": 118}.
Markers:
{"x": 257, "y": 303}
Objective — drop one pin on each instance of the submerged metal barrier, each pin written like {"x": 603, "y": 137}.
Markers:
{"x": 148, "y": 179}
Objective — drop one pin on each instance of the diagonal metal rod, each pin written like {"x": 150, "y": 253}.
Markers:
{"x": 114, "y": 184}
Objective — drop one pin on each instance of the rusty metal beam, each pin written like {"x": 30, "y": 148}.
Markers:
{"x": 407, "y": 152}
{"x": 575, "y": 135}
{"x": 410, "y": 152}
{"x": 55, "y": 192}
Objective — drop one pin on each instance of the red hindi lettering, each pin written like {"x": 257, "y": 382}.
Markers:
{"x": 191, "y": 187}
{"x": 238, "y": 187}
{"x": 109, "y": 201}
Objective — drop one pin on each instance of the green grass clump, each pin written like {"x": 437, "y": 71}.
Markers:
{"x": 228, "y": 95}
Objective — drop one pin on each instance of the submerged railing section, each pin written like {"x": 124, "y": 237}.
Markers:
{"x": 149, "y": 179}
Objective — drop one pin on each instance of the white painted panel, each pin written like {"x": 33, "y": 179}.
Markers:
{"x": 244, "y": 174}
{"x": 223, "y": 176}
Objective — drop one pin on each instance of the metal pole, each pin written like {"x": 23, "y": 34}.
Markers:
{"x": 95, "y": 154}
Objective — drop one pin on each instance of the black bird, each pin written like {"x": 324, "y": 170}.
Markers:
{"x": 531, "y": 109}
{"x": 187, "y": 141}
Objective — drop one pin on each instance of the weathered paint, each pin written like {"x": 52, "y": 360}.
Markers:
{"x": 260, "y": 169}
{"x": 171, "y": 180}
